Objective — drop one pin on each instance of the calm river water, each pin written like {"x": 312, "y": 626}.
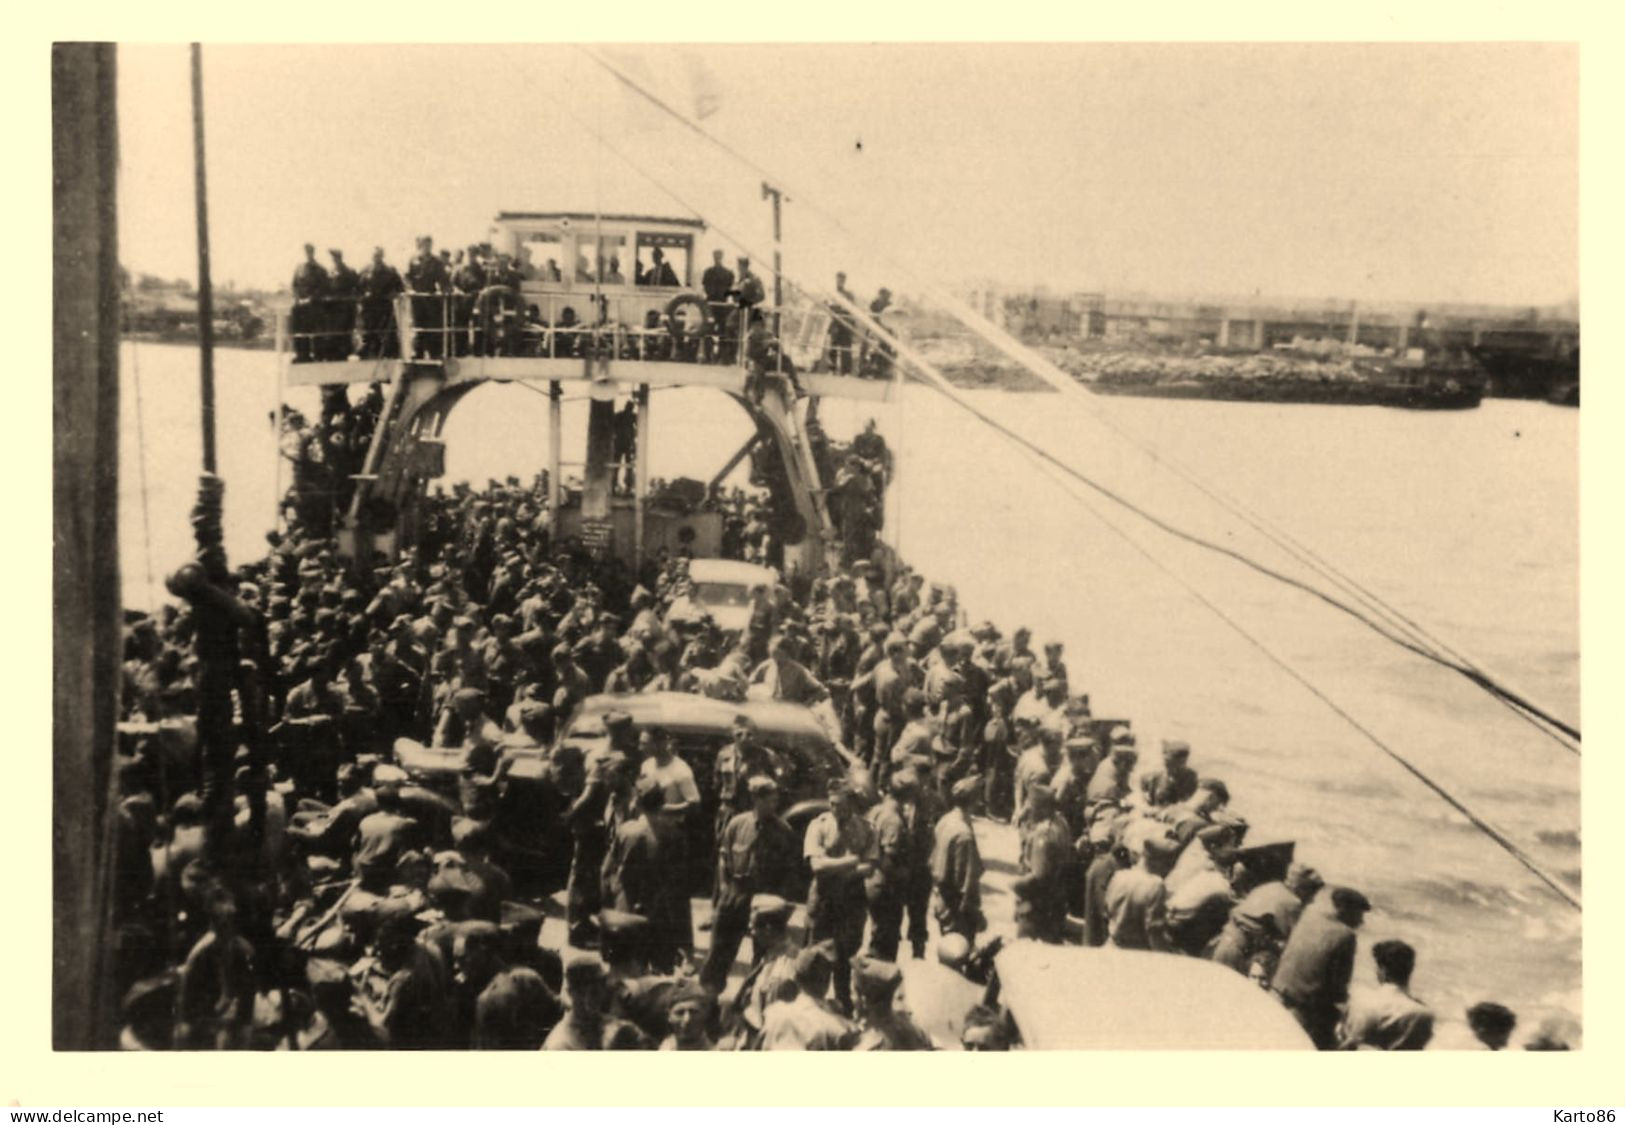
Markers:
{"x": 1466, "y": 522}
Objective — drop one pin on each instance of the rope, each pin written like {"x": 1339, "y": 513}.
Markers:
{"x": 938, "y": 382}
{"x": 1066, "y": 384}
{"x": 1477, "y": 820}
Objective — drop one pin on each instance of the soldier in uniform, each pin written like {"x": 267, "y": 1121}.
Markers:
{"x": 887, "y": 884}
{"x": 585, "y": 819}
{"x": 380, "y": 285}
{"x": 428, "y": 279}
{"x": 956, "y": 865}
{"x": 343, "y": 291}
{"x": 305, "y": 321}
{"x": 736, "y": 764}
{"x": 587, "y": 1024}
{"x": 717, "y": 281}
{"x": 756, "y": 854}
{"x": 772, "y": 978}
{"x": 805, "y": 1021}
{"x": 882, "y": 1027}
{"x": 467, "y": 281}
{"x": 644, "y": 874}
{"x": 1176, "y": 781}
{"x": 1046, "y": 856}
{"x": 840, "y": 850}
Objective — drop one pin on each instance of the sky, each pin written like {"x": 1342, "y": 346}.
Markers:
{"x": 1382, "y": 172}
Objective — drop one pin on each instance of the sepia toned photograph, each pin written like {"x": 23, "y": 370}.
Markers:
{"x": 816, "y": 547}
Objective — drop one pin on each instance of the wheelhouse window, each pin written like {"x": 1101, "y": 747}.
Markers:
{"x": 612, "y": 259}
{"x": 664, "y": 259}
{"x": 543, "y": 255}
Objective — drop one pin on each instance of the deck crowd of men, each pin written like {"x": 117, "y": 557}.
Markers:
{"x": 370, "y": 908}
{"x": 471, "y": 303}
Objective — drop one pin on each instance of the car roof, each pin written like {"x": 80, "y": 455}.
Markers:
{"x": 1069, "y": 997}
{"x": 732, "y": 572}
{"x": 681, "y": 710}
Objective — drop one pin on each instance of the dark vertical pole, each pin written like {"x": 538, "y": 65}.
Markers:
{"x": 85, "y": 622}
{"x": 205, "y": 292}
{"x": 773, "y": 193}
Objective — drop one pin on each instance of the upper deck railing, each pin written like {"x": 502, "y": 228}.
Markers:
{"x": 342, "y": 340}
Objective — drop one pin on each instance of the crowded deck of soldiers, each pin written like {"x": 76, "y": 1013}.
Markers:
{"x": 469, "y": 807}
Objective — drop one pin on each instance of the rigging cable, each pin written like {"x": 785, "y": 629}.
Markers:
{"x": 936, "y": 381}
{"x": 1060, "y": 381}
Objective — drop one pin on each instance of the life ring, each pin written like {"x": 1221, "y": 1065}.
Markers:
{"x": 677, "y": 317}
{"x": 488, "y": 305}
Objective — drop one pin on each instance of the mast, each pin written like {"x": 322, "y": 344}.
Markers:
{"x": 85, "y": 623}
{"x": 205, "y": 292}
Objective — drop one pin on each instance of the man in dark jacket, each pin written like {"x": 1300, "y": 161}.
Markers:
{"x": 380, "y": 285}
{"x": 1312, "y": 979}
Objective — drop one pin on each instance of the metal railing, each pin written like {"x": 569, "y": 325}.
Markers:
{"x": 501, "y": 321}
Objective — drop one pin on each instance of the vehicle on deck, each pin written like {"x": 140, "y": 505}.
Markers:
{"x": 719, "y": 588}
{"x": 1078, "y": 998}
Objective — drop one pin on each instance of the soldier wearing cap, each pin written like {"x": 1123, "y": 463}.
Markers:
{"x": 464, "y": 723}
{"x": 587, "y": 1024}
{"x": 736, "y": 764}
{"x": 645, "y": 873}
{"x": 840, "y": 849}
{"x": 513, "y": 1009}
{"x": 919, "y": 734}
{"x": 772, "y": 977}
{"x": 1176, "y": 781}
{"x": 882, "y": 1027}
{"x": 1046, "y": 857}
{"x": 1260, "y": 924}
{"x": 573, "y": 685}
{"x": 1036, "y": 764}
{"x": 589, "y": 831}
{"x": 1112, "y": 782}
{"x": 887, "y": 883}
{"x": 305, "y": 320}
{"x": 380, "y": 285}
{"x": 805, "y": 1022}
{"x": 1313, "y": 976}
{"x": 956, "y": 865}
{"x": 756, "y": 855}
{"x": 688, "y": 1013}
{"x": 343, "y": 291}
{"x": 1136, "y": 899}
{"x": 428, "y": 280}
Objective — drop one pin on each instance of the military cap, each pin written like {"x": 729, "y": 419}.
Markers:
{"x": 617, "y": 721}
{"x": 875, "y": 978}
{"x": 1347, "y": 898}
{"x": 387, "y": 774}
{"x": 583, "y": 963}
{"x": 903, "y": 785}
{"x": 1161, "y": 847}
{"x": 534, "y": 710}
{"x": 743, "y": 722}
{"x": 468, "y": 695}
{"x": 466, "y": 830}
{"x": 1214, "y": 785}
{"x": 1176, "y": 747}
{"x": 895, "y": 642}
{"x": 986, "y": 631}
{"x": 761, "y": 784}
{"x": 1121, "y": 736}
{"x": 1301, "y": 877}
{"x": 690, "y": 992}
{"x": 622, "y": 923}
{"x": 562, "y": 652}
{"x": 926, "y": 632}
{"x": 818, "y": 955}
{"x": 187, "y": 803}
{"x": 771, "y": 907}
{"x": 966, "y": 787}
{"x": 1103, "y": 831}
